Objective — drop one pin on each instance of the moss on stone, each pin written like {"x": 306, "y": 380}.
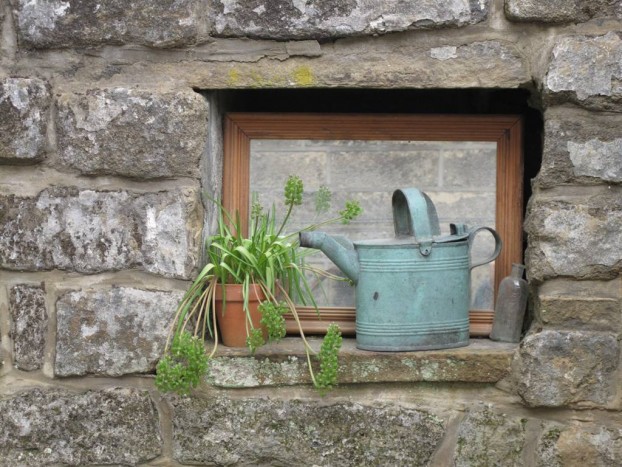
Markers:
{"x": 303, "y": 76}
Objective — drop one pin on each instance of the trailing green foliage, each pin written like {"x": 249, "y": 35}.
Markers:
{"x": 265, "y": 257}
{"x": 183, "y": 366}
{"x": 254, "y": 340}
{"x": 329, "y": 365}
{"x": 272, "y": 318}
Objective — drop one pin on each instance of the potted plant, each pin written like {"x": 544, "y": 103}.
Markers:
{"x": 262, "y": 274}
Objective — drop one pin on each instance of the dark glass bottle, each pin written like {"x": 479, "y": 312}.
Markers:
{"x": 510, "y": 306}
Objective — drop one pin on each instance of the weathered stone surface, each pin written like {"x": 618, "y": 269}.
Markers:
{"x": 222, "y": 431}
{"x": 24, "y": 104}
{"x": 285, "y": 363}
{"x": 575, "y": 236}
{"x": 585, "y": 305}
{"x": 559, "y": 368}
{"x": 320, "y": 19}
{"x": 112, "y": 332}
{"x": 546, "y": 451}
{"x": 396, "y": 63}
{"x": 112, "y": 426}
{"x": 580, "y": 147}
{"x": 74, "y": 23}
{"x": 488, "y": 438}
{"x": 560, "y": 11}
{"x": 29, "y": 320}
{"x": 579, "y": 444}
{"x": 588, "y": 445}
{"x": 143, "y": 134}
{"x": 587, "y": 70}
{"x": 93, "y": 231}
{"x": 596, "y": 158}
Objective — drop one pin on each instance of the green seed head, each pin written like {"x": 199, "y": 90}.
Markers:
{"x": 293, "y": 190}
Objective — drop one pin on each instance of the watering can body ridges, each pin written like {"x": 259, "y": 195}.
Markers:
{"x": 412, "y": 291}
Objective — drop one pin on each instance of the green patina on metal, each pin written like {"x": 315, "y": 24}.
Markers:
{"x": 412, "y": 291}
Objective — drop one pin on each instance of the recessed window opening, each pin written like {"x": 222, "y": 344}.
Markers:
{"x": 472, "y": 151}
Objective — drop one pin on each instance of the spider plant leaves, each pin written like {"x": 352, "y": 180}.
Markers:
{"x": 267, "y": 257}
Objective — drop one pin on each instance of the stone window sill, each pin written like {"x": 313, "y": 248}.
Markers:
{"x": 284, "y": 363}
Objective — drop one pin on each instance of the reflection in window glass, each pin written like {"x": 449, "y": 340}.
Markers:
{"x": 459, "y": 177}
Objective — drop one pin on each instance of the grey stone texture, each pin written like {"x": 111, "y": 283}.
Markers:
{"x": 575, "y": 236}
{"x": 132, "y": 133}
{"x": 225, "y": 431}
{"x": 581, "y": 305}
{"x": 579, "y": 444}
{"x": 566, "y": 368}
{"x": 91, "y": 231}
{"x": 580, "y": 147}
{"x": 103, "y": 146}
{"x": 24, "y": 104}
{"x": 52, "y": 427}
{"x": 322, "y": 19}
{"x": 398, "y": 62}
{"x": 488, "y": 438}
{"x": 285, "y": 364}
{"x": 29, "y": 323}
{"x": 76, "y": 23}
{"x": 547, "y": 454}
{"x": 561, "y": 11}
{"x": 112, "y": 332}
{"x": 588, "y": 444}
{"x": 586, "y": 70}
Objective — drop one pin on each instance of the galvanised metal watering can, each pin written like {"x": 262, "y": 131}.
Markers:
{"x": 412, "y": 291}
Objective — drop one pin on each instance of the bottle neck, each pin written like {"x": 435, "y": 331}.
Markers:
{"x": 518, "y": 270}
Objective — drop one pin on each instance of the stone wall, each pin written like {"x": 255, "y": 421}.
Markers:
{"x": 106, "y": 149}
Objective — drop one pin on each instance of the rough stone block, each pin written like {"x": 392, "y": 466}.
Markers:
{"x": 585, "y": 444}
{"x": 562, "y": 368}
{"x": 586, "y": 70}
{"x": 579, "y": 444}
{"x": 285, "y": 363}
{"x": 29, "y": 320}
{"x": 74, "y": 23}
{"x": 587, "y": 305}
{"x": 488, "y": 438}
{"x": 24, "y": 104}
{"x": 560, "y": 11}
{"x": 142, "y": 134}
{"x": 580, "y": 147}
{"x": 322, "y": 19}
{"x": 575, "y": 236}
{"x": 53, "y": 427}
{"x": 94, "y": 231}
{"x": 112, "y": 332}
{"x": 222, "y": 431}
{"x": 479, "y": 64}
{"x": 546, "y": 452}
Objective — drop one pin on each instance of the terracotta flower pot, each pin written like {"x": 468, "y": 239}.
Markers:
{"x": 232, "y": 319}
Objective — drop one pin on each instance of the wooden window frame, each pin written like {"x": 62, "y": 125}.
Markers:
{"x": 505, "y": 130}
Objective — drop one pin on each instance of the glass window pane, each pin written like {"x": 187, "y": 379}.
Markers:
{"x": 459, "y": 177}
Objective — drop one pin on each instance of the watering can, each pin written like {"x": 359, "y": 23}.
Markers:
{"x": 412, "y": 291}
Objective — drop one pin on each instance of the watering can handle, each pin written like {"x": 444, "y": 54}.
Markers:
{"x": 414, "y": 215}
{"x": 498, "y": 245}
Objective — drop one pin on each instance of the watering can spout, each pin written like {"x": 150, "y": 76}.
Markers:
{"x": 338, "y": 249}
